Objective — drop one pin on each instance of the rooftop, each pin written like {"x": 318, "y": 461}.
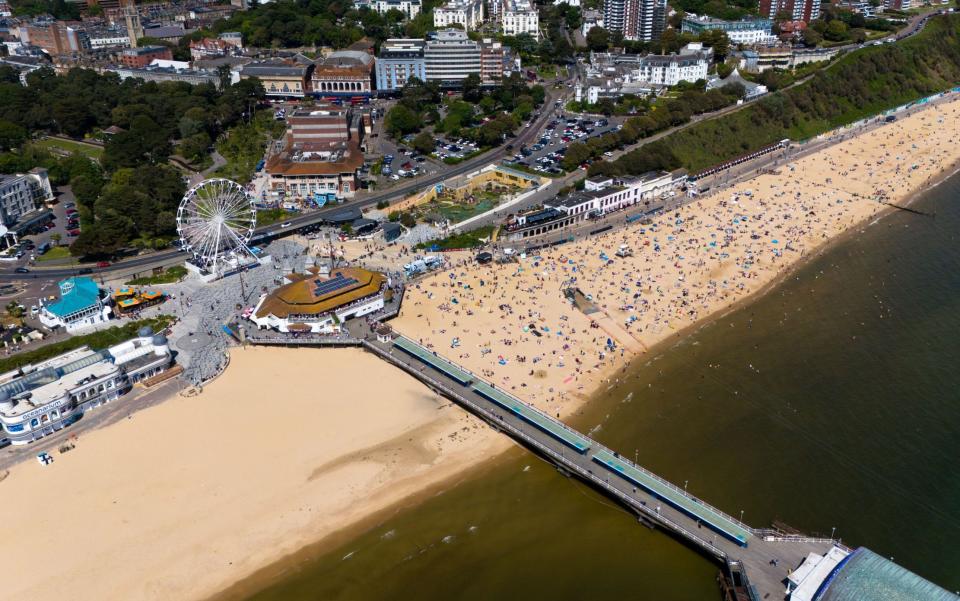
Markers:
{"x": 307, "y": 294}
{"x": 76, "y": 294}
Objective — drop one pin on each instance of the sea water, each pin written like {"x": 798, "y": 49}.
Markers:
{"x": 831, "y": 404}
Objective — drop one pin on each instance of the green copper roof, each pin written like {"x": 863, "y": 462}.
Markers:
{"x": 76, "y": 294}
{"x": 866, "y": 576}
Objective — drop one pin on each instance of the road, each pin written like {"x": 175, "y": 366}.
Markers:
{"x": 525, "y": 136}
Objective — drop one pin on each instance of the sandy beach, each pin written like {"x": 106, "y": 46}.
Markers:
{"x": 187, "y": 497}
{"x": 512, "y": 322}
{"x": 289, "y": 446}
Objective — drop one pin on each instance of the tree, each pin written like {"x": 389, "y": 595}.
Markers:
{"x": 423, "y": 143}
{"x": 471, "y": 88}
{"x": 811, "y": 37}
{"x": 55, "y": 237}
{"x": 195, "y": 147}
{"x": 401, "y": 121}
{"x": 11, "y": 135}
{"x": 598, "y": 39}
{"x": 407, "y": 219}
{"x": 836, "y": 31}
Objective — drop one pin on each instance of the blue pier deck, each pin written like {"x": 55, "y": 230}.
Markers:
{"x": 565, "y": 435}
{"x": 767, "y": 555}
{"x": 438, "y": 363}
{"x": 709, "y": 516}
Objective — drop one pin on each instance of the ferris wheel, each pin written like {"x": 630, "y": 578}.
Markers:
{"x": 215, "y": 222}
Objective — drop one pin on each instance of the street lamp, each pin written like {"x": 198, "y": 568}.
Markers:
{"x": 741, "y": 516}
{"x": 685, "y": 485}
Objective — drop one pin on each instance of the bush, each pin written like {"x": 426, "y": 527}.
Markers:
{"x": 96, "y": 340}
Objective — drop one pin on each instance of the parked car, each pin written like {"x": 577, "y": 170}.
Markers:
{"x": 74, "y": 232}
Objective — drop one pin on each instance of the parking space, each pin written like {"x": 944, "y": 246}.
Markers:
{"x": 546, "y": 152}
{"x": 454, "y": 149}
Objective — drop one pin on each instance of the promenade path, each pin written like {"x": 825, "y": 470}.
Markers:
{"x": 765, "y": 556}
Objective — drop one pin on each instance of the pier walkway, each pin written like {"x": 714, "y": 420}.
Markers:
{"x": 761, "y": 559}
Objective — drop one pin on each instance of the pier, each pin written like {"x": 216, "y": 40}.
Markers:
{"x": 755, "y": 561}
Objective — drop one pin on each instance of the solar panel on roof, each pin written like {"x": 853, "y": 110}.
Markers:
{"x": 333, "y": 284}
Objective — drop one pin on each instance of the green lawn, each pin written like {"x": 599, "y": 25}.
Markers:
{"x": 270, "y": 216}
{"x": 170, "y": 276}
{"x": 57, "y": 252}
{"x": 71, "y": 147}
{"x": 469, "y": 239}
{"x": 458, "y": 211}
{"x": 95, "y": 340}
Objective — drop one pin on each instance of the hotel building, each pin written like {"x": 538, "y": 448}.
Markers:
{"x": 690, "y": 65}
{"x": 321, "y": 156}
{"x": 747, "y": 31}
{"x": 311, "y": 303}
{"x": 519, "y": 17}
{"x": 399, "y": 61}
{"x": 410, "y": 8}
{"x": 23, "y": 194}
{"x": 799, "y": 10}
{"x": 642, "y": 20}
{"x": 468, "y": 13}
{"x": 450, "y": 56}
{"x": 37, "y": 400}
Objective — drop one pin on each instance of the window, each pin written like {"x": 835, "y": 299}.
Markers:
{"x": 14, "y": 427}
{"x": 34, "y": 423}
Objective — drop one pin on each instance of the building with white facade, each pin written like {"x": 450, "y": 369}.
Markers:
{"x": 314, "y": 303}
{"x": 601, "y": 195}
{"x": 519, "y": 17}
{"x": 591, "y": 19}
{"x": 38, "y": 400}
{"x": 468, "y": 13}
{"x": 22, "y": 195}
{"x": 607, "y": 195}
{"x": 399, "y": 61}
{"x": 410, "y": 8}
{"x": 691, "y": 64}
{"x": 747, "y": 32}
{"x": 450, "y": 56}
{"x": 108, "y": 38}
{"x": 80, "y": 306}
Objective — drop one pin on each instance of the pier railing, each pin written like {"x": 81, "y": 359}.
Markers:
{"x": 673, "y": 487}
{"x": 558, "y": 458}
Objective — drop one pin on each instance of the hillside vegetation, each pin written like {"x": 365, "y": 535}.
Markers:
{"x": 859, "y": 85}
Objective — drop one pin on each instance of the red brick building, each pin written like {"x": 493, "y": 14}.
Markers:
{"x": 139, "y": 58}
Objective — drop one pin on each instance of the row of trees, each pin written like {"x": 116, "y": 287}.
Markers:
{"x": 130, "y": 198}
{"x": 298, "y": 23}
{"x": 861, "y": 85}
{"x": 484, "y": 116}
{"x": 662, "y": 115}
